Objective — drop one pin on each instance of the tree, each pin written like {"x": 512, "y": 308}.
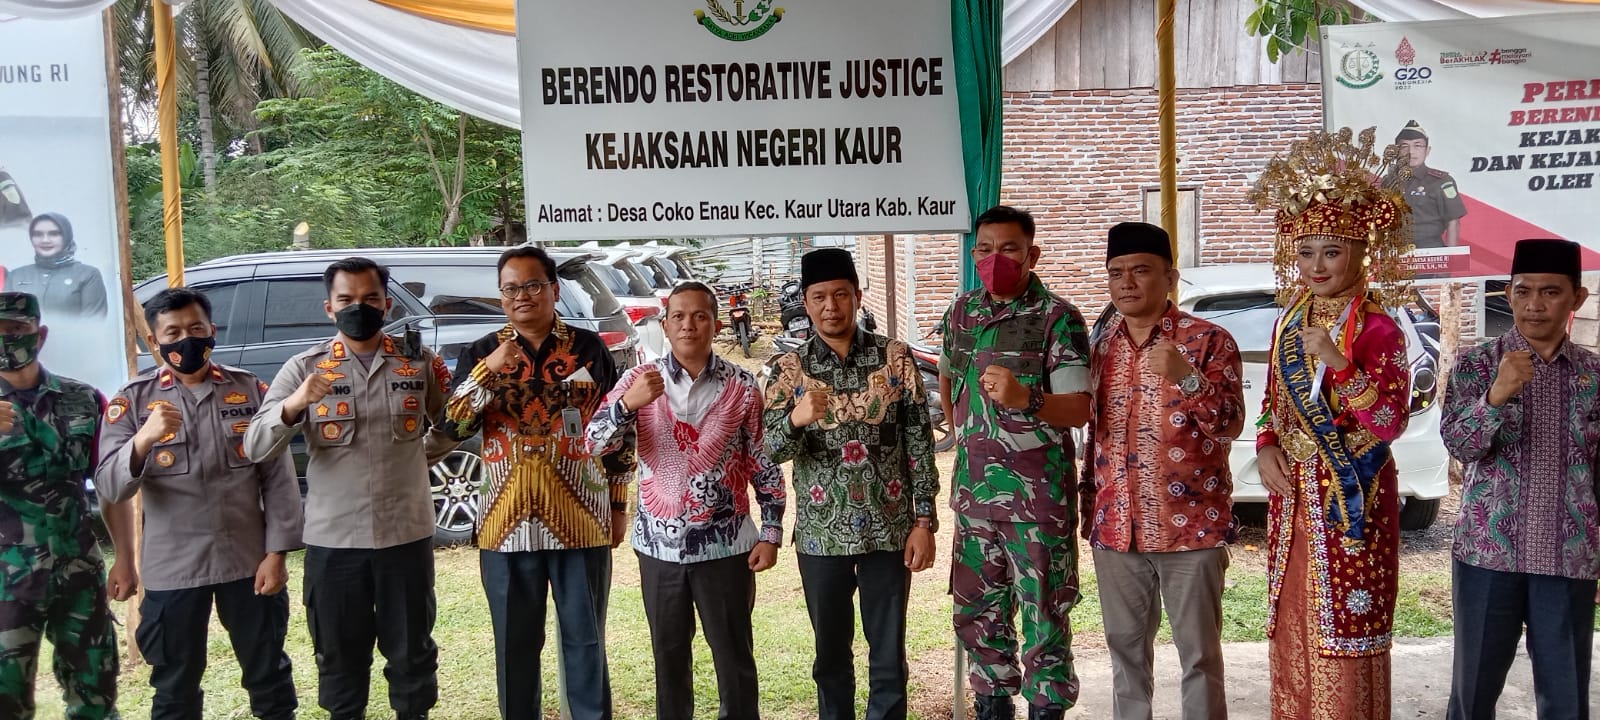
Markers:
{"x": 232, "y": 54}
{"x": 1286, "y": 24}
{"x": 441, "y": 172}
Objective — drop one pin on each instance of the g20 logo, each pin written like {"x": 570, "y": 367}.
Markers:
{"x": 1413, "y": 73}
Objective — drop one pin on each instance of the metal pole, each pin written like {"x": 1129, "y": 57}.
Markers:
{"x": 167, "y": 124}
{"x": 1166, "y": 14}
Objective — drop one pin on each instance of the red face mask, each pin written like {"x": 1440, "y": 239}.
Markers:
{"x": 1001, "y": 275}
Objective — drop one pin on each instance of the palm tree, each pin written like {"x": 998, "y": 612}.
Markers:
{"x": 233, "y": 54}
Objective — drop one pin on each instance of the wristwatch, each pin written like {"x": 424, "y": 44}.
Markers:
{"x": 930, "y": 523}
{"x": 1190, "y": 384}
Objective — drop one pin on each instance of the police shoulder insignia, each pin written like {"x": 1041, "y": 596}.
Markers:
{"x": 157, "y": 403}
{"x": 116, "y": 409}
{"x": 261, "y": 386}
{"x": 235, "y": 398}
{"x": 441, "y": 373}
{"x": 328, "y": 364}
{"x": 405, "y": 369}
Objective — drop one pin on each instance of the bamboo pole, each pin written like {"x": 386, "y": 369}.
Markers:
{"x": 167, "y": 125}
{"x": 1167, "y": 109}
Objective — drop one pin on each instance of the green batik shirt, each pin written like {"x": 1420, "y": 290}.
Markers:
{"x": 44, "y": 460}
{"x": 1010, "y": 466}
{"x": 864, "y": 472}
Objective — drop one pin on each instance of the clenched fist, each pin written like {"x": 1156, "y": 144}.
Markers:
{"x": 163, "y": 423}
{"x": 1167, "y": 361}
{"x": 506, "y": 358}
{"x": 811, "y": 406}
{"x": 8, "y": 416}
{"x": 648, "y": 386}
{"x": 1514, "y": 373}
{"x": 1318, "y": 342}
{"x": 1002, "y": 387}
{"x": 312, "y": 390}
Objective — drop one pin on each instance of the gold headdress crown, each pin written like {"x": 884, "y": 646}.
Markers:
{"x": 1328, "y": 187}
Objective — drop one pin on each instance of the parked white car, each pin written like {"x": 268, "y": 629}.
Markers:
{"x": 620, "y": 271}
{"x": 1240, "y": 298}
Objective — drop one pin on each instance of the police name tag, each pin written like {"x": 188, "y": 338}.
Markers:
{"x": 571, "y": 422}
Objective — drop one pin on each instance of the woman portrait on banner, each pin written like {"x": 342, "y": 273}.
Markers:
{"x": 1337, "y": 395}
{"x": 63, "y": 284}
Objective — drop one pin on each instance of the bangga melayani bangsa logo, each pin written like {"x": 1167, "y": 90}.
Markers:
{"x": 738, "y": 25}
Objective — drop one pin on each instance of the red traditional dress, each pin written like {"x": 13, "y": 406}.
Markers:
{"x": 1334, "y": 543}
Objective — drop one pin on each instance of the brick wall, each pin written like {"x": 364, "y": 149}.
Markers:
{"x": 1081, "y": 161}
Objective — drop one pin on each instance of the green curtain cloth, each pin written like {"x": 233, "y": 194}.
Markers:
{"x": 975, "y": 30}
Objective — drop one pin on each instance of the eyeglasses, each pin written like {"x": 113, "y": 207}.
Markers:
{"x": 534, "y": 288}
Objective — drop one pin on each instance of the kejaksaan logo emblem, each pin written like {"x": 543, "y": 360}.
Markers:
{"x": 738, "y": 25}
{"x": 1358, "y": 68}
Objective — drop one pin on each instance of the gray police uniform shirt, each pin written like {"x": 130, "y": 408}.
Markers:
{"x": 371, "y": 442}
{"x": 210, "y": 513}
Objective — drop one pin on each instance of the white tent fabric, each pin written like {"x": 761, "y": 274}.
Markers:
{"x": 1404, "y": 10}
{"x": 476, "y": 71}
{"x": 53, "y": 9}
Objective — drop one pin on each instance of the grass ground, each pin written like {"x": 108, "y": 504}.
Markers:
{"x": 783, "y": 642}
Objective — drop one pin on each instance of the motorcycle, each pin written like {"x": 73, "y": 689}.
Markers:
{"x": 739, "y": 318}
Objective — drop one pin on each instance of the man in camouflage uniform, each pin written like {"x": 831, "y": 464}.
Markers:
{"x": 1015, "y": 377}
{"x": 1436, "y": 206}
{"x": 52, "y": 578}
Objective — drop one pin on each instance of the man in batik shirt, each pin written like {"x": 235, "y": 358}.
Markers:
{"x": 694, "y": 420}
{"x": 551, "y": 511}
{"x": 1157, "y": 505}
{"x": 848, "y": 407}
{"x": 1015, "y": 376}
{"x": 1522, "y": 413}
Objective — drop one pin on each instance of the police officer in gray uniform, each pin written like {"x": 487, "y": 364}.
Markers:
{"x": 367, "y": 410}
{"x": 216, "y": 525}
{"x": 1436, "y": 206}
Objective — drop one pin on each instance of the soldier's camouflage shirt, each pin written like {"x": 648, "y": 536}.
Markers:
{"x": 1011, "y": 467}
{"x": 865, "y": 471}
{"x": 44, "y": 460}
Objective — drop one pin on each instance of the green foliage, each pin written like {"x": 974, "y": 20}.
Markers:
{"x": 350, "y": 157}
{"x": 1286, "y": 24}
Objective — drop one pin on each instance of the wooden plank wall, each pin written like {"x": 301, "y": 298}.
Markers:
{"x": 1111, "y": 45}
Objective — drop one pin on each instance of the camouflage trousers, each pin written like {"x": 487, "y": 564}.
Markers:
{"x": 997, "y": 569}
{"x": 60, "y": 597}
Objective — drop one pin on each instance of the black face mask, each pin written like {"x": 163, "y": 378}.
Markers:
{"x": 359, "y": 321}
{"x": 189, "y": 355}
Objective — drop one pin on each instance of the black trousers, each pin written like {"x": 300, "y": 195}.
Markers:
{"x": 724, "y": 593}
{"x": 172, "y": 638}
{"x": 355, "y": 597}
{"x": 1491, "y": 608}
{"x": 830, "y": 583}
{"x": 518, "y": 586}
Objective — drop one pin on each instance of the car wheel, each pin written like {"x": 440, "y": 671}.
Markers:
{"x": 456, "y": 483}
{"x": 1418, "y": 514}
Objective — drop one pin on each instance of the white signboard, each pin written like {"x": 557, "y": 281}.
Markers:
{"x": 1511, "y": 112}
{"x": 739, "y": 117}
{"x": 58, "y": 222}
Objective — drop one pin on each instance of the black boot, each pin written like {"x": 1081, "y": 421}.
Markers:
{"x": 424, "y": 716}
{"x": 993, "y": 707}
{"x": 1048, "y": 712}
